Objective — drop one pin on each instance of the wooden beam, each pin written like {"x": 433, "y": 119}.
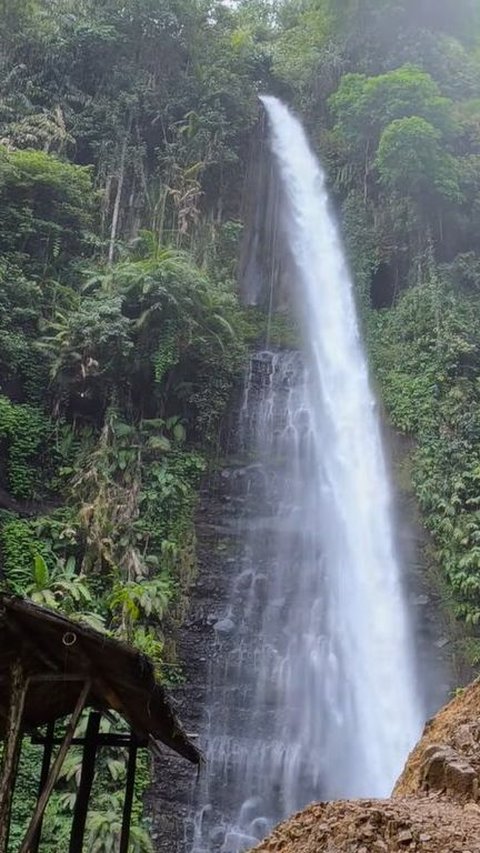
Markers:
{"x": 54, "y": 772}
{"x": 57, "y": 677}
{"x": 104, "y": 739}
{"x": 48, "y": 742}
{"x": 52, "y": 678}
{"x": 11, "y": 749}
{"x": 86, "y": 782}
{"x": 129, "y": 793}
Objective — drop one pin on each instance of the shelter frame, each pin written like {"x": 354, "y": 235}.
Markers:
{"x": 40, "y": 649}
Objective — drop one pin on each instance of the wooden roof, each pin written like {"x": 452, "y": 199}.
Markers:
{"x": 59, "y": 655}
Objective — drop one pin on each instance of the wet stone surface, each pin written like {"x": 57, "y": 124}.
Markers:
{"x": 169, "y": 800}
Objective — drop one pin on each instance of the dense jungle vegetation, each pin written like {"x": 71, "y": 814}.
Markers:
{"x": 125, "y": 134}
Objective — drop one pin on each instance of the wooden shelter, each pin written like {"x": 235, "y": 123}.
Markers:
{"x": 51, "y": 667}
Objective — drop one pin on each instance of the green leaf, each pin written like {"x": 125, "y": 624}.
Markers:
{"x": 121, "y": 430}
{"x": 179, "y": 433}
{"x": 40, "y": 572}
{"x": 159, "y": 442}
{"x": 153, "y": 423}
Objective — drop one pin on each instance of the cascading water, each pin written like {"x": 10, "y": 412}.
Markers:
{"x": 313, "y": 693}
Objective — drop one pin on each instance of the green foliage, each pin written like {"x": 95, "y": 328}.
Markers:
{"x": 26, "y": 792}
{"x": 131, "y": 601}
{"x": 62, "y": 587}
{"x": 22, "y": 302}
{"x": 88, "y": 349}
{"x": 39, "y": 560}
{"x": 364, "y": 106}
{"x": 400, "y": 144}
{"x": 145, "y": 325}
{"x": 304, "y": 37}
{"x": 426, "y": 352}
{"x": 166, "y": 355}
{"x": 165, "y": 127}
{"x": 46, "y": 209}
{"x": 18, "y": 546}
{"x": 24, "y": 431}
{"x": 411, "y": 161}
{"x": 105, "y": 826}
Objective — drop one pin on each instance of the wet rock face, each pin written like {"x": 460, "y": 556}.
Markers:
{"x": 231, "y": 496}
{"x": 202, "y": 635}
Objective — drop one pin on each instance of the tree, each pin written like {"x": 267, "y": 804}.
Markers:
{"x": 364, "y": 106}
{"x": 411, "y": 161}
{"x": 305, "y": 31}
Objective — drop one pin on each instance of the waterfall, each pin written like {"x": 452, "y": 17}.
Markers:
{"x": 313, "y": 691}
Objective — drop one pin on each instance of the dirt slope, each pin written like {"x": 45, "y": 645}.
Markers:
{"x": 433, "y": 808}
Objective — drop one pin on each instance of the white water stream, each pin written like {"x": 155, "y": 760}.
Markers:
{"x": 315, "y": 696}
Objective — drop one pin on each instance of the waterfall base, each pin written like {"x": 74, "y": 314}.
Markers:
{"x": 433, "y": 809}
{"x": 222, "y": 500}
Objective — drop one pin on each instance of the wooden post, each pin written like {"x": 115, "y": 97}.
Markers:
{"x": 129, "y": 792}
{"x": 54, "y": 772}
{"x": 86, "y": 781}
{"x": 47, "y": 757}
{"x": 11, "y": 750}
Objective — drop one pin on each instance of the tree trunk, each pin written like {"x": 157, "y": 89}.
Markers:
{"x": 118, "y": 199}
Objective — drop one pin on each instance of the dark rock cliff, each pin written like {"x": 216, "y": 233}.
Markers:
{"x": 221, "y": 501}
